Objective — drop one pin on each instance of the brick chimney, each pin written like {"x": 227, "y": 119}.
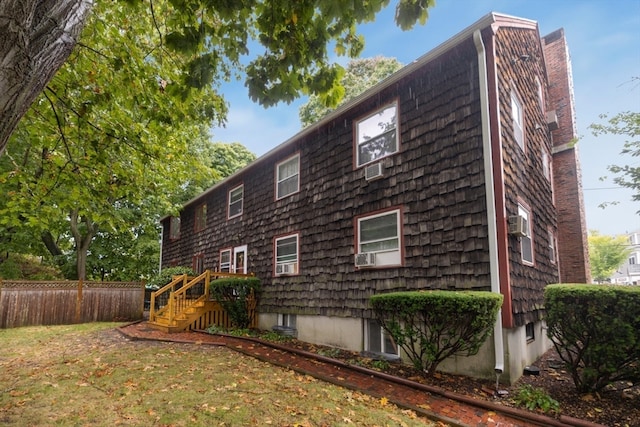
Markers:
{"x": 567, "y": 177}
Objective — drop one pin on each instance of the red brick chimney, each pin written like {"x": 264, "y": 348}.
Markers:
{"x": 567, "y": 177}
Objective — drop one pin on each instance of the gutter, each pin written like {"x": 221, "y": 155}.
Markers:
{"x": 498, "y": 342}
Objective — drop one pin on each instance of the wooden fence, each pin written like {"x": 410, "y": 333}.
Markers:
{"x": 25, "y": 303}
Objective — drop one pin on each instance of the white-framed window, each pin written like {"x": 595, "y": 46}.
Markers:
{"x": 288, "y": 177}
{"x": 174, "y": 228}
{"x": 287, "y": 320}
{"x": 236, "y": 197}
{"x": 546, "y": 164}
{"x": 377, "y": 340}
{"x": 540, "y": 94}
{"x": 552, "y": 246}
{"x": 632, "y": 260}
{"x": 381, "y": 235}
{"x": 377, "y": 135}
{"x": 530, "y": 332}
{"x": 517, "y": 114}
{"x": 526, "y": 242}
{"x": 225, "y": 260}
{"x": 286, "y": 255}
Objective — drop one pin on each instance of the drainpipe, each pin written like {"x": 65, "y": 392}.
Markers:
{"x": 490, "y": 196}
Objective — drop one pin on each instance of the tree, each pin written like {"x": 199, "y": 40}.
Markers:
{"x": 292, "y": 39}
{"x": 627, "y": 124}
{"x": 36, "y": 37}
{"x": 606, "y": 254}
{"x": 228, "y": 158}
{"x": 360, "y": 75}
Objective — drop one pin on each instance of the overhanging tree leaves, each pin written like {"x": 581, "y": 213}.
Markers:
{"x": 291, "y": 41}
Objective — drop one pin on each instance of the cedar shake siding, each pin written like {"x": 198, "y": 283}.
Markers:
{"x": 307, "y": 208}
{"x": 435, "y": 180}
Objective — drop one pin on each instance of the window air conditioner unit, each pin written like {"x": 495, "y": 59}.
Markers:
{"x": 552, "y": 120}
{"x": 285, "y": 269}
{"x": 365, "y": 259}
{"x": 373, "y": 171}
{"x": 518, "y": 226}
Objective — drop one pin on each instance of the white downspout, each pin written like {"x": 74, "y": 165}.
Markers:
{"x": 490, "y": 195}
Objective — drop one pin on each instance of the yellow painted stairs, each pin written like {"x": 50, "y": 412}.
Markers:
{"x": 184, "y": 304}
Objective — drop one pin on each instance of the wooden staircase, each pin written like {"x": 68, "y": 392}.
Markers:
{"x": 184, "y": 304}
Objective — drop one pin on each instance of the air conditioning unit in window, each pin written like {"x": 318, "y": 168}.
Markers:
{"x": 373, "y": 171}
{"x": 518, "y": 226}
{"x": 365, "y": 259}
{"x": 285, "y": 269}
{"x": 552, "y": 120}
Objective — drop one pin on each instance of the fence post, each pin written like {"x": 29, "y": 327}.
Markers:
{"x": 79, "y": 302}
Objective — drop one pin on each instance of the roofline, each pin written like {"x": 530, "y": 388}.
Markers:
{"x": 489, "y": 19}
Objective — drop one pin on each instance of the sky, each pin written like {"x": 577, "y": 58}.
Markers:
{"x": 604, "y": 45}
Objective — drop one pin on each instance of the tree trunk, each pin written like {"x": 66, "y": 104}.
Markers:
{"x": 82, "y": 241}
{"x": 36, "y": 37}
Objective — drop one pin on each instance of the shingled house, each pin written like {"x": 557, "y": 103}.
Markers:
{"x": 457, "y": 172}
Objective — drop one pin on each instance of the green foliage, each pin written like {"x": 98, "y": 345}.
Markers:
{"x": 360, "y": 75}
{"x": 421, "y": 323}
{"x": 596, "y": 331}
{"x": 606, "y": 254}
{"x": 534, "y": 399}
{"x": 27, "y": 267}
{"x": 627, "y": 124}
{"x": 232, "y": 293}
{"x": 166, "y": 276}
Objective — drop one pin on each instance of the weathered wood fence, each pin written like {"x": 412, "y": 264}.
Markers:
{"x": 25, "y": 303}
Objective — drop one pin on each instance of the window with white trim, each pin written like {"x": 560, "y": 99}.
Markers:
{"x": 526, "y": 242}
{"x": 540, "y": 94}
{"x": 377, "y": 135}
{"x": 517, "y": 114}
{"x": 552, "y": 246}
{"x": 174, "y": 228}
{"x": 236, "y": 196}
{"x": 225, "y": 260}
{"x": 288, "y": 177}
{"x": 379, "y": 341}
{"x": 286, "y": 255}
{"x": 380, "y": 234}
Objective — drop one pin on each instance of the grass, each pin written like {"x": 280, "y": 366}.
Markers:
{"x": 90, "y": 375}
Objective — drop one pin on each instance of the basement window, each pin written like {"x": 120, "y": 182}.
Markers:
{"x": 378, "y": 341}
{"x": 530, "y": 332}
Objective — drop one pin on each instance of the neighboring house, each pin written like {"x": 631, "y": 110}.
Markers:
{"x": 457, "y": 172}
{"x": 629, "y": 272}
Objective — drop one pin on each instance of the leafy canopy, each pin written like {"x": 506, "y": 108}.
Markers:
{"x": 606, "y": 254}
{"x": 360, "y": 75}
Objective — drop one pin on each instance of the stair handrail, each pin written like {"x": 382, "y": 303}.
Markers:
{"x": 170, "y": 287}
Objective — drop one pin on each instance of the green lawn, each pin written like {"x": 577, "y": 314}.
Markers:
{"x": 91, "y": 375}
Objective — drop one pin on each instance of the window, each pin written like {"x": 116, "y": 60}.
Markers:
{"x": 286, "y": 255}
{"x": 377, "y": 135}
{"x": 546, "y": 165}
{"x": 632, "y": 260}
{"x": 526, "y": 242}
{"x": 379, "y": 341}
{"x": 540, "y": 94}
{"x": 530, "y": 332}
{"x": 197, "y": 263}
{"x": 201, "y": 218}
{"x": 174, "y": 228}
{"x": 381, "y": 234}
{"x": 288, "y": 177}
{"x": 552, "y": 247}
{"x": 225, "y": 260}
{"x": 236, "y": 196}
{"x": 518, "y": 120}
{"x": 287, "y": 320}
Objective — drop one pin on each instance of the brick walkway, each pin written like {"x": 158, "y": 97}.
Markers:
{"x": 434, "y": 403}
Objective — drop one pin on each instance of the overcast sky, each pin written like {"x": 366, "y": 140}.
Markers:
{"x": 604, "y": 44}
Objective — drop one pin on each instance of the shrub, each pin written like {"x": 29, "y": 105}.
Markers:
{"x": 596, "y": 332}
{"x": 431, "y": 326}
{"x": 534, "y": 398}
{"x": 232, "y": 294}
{"x": 166, "y": 276}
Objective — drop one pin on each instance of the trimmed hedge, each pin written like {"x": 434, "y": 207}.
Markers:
{"x": 596, "y": 331}
{"x": 432, "y": 326}
{"x": 232, "y": 294}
